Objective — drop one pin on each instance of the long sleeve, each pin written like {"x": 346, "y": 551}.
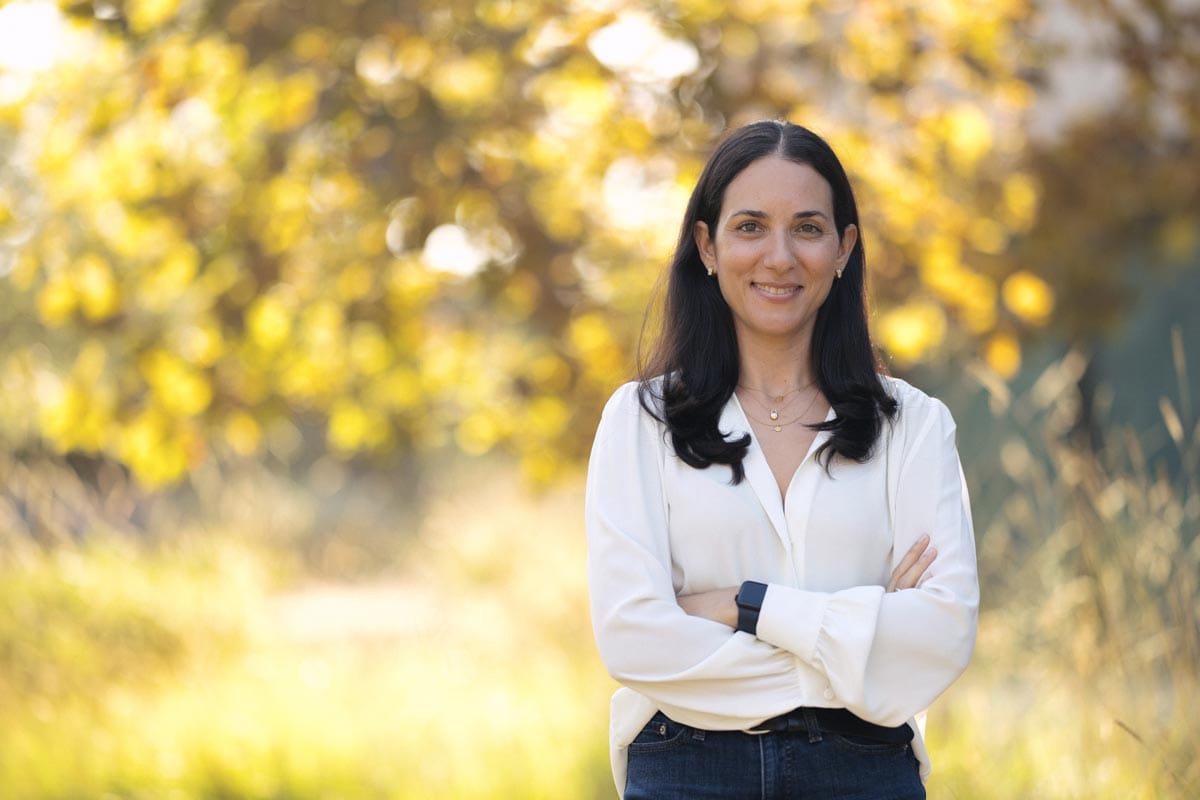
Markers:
{"x": 887, "y": 656}
{"x": 698, "y": 671}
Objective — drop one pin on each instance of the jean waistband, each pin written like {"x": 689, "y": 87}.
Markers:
{"x": 838, "y": 721}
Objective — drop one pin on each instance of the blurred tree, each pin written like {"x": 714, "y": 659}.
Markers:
{"x": 224, "y": 224}
{"x": 1120, "y": 184}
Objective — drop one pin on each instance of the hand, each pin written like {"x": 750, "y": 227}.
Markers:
{"x": 718, "y": 605}
{"x": 912, "y": 566}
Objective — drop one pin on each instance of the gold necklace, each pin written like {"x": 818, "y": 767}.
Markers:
{"x": 774, "y": 412}
{"x": 775, "y": 423}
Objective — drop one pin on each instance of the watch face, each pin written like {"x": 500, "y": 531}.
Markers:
{"x": 751, "y": 594}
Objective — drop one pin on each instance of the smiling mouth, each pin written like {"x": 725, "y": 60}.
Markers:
{"x": 776, "y": 291}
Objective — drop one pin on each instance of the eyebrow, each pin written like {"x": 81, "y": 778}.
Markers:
{"x": 747, "y": 212}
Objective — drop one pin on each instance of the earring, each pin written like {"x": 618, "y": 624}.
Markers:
{"x": 711, "y": 271}
{"x": 839, "y": 273}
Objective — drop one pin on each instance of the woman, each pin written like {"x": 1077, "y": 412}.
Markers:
{"x": 780, "y": 553}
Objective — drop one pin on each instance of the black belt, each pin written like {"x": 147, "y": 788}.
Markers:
{"x": 837, "y": 721}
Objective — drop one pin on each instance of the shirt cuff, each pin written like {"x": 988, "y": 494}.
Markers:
{"x": 791, "y": 619}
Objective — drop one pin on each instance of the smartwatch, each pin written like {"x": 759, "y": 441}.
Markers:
{"x": 749, "y": 602}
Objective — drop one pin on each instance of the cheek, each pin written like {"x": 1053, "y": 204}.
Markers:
{"x": 732, "y": 251}
{"x": 822, "y": 255}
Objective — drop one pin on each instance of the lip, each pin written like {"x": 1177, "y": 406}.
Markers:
{"x": 776, "y": 291}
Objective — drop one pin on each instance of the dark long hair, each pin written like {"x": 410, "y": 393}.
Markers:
{"x": 696, "y": 351}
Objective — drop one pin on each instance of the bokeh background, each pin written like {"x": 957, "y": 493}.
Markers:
{"x": 308, "y": 310}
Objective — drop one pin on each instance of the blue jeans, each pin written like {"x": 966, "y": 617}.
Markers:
{"x": 669, "y": 761}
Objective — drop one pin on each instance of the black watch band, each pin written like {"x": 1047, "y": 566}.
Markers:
{"x": 749, "y": 601}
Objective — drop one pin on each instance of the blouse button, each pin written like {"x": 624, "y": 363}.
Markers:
{"x": 829, "y": 694}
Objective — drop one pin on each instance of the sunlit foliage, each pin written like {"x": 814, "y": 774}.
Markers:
{"x": 230, "y": 228}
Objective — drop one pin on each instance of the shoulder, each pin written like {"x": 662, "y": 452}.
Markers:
{"x": 626, "y": 426}
{"x": 632, "y": 402}
{"x": 637, "y": 396}
{"x": 624, "y": 396}
{"x": 917, "y": 413}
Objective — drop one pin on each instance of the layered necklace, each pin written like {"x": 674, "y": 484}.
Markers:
{"x": 778, "y": 404}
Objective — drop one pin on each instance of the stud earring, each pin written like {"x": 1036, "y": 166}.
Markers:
{"x": 839, "y": 273}
{"x": 711, "y": 272}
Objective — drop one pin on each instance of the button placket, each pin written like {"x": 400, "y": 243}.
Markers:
{"x": 798, "y": 508}
{"x": 801, "y": 495}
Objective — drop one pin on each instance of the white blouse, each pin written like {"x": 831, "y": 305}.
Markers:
{"x": 828, "y": 634}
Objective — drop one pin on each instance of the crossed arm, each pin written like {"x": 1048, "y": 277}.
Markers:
{"x": 718, "y": 604}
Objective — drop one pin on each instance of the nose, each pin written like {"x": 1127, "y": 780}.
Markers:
{"x": 779, "y": 254}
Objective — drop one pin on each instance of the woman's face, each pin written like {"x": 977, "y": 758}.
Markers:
{"x": 775, "y": 249}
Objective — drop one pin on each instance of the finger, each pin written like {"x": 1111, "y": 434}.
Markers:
{"x": 909, "y": 560}
{"x": 914, "y": 574}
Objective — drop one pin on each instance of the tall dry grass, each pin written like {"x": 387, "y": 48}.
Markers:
{"x": 1087, "y": 669}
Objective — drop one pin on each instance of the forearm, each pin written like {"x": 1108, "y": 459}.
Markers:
{"x": 718, "y": 605}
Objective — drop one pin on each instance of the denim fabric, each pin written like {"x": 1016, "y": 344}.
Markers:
{"x": 669, "y": 761}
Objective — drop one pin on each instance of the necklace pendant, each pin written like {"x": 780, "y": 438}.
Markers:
{"x": 778, "y": 428}
{"x": 774, "y": 414}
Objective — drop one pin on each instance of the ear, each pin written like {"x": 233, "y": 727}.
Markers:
{"x": 849, "y": 239}
{"x": 704, "y": 243}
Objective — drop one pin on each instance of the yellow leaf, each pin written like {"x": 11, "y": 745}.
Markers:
{"x": 465, "y": 84}
{"x": 171, "y": 278}
{"x": 180, "y": 389}
{"x": 78, "y": 414}
{"x": 477, "y": 434}
{"x": 352, "y": 427}
{"x": 589, "y": 334}
{"x": 910, "y": 331}
{"x": 269, "y": 321}
{"x": 1003, "y": 354}
{"x": 541, "y": 466}
{"x": 201, "y": 344}
{"x": 97, "y": 289}
{"x": 156, "y": 452}
{"x": 968, "y": 136}
{"x": 90, "y": 363}
{"x": 414, "y": 57}
{"x": 297, "y": 101}
{"x": 987, "y": 236}
{"x": 56, "y": 301}
{"x": 242, "y": 433}
{"x": 1028, "y": 296}
{"x": 548, "y": 417}
{"x": 369, "y": 351}
{"x": 399, "y": 389}
{"x": 146, "y": 15}
{"x": 1020, "y": 201}
{"x": 576, "y": 95}
{"x": 506, "y": 14}
{"x": 521, "y": 294}
{"x": 323, "y": 324}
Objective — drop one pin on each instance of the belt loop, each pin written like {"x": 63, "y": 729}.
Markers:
{"x": 810, "y": 722}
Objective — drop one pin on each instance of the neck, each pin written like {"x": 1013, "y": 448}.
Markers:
{"x": 773, "y": 366}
